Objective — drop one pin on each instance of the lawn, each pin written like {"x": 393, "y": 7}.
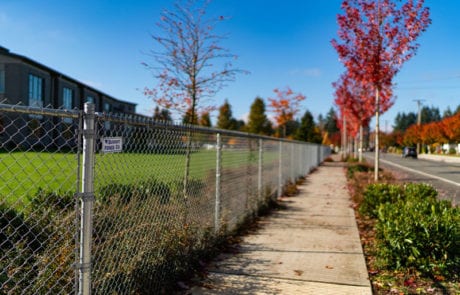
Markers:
{"x": 22, "y": 174}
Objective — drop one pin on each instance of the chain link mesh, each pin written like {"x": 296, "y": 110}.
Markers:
{"x": 38, "y": 181}
{"x": 164, "y": 194}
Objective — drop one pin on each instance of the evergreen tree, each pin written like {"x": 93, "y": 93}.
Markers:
{"x": 225, "y": 118}
{"x": 163, "y": 115}
{"x": 330, "y": 124}
{"x": 239, "y": 125}
{"x": 321, "y": 122}
{"x": 289, "y": 129}
{"x": 308, "y": 131}
{"x": 205, "y": 120}
{"x": 187, "y": 118}
{"x": 447, "y": 113}
{"x": 404, "y": 121}
{"x": 457, "y": 110}
{"x": 258, "y": 122}
{"x": 430, "y": 114}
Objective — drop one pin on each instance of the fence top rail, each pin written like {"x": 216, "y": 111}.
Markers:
{"x": 139, "y": 120}
{"x": 18, "y": 108}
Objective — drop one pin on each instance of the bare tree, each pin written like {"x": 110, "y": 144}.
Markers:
{"x": 189, "y": 63}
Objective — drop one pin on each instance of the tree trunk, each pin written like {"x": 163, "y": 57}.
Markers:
{"x": 360, "y": 151}
{"x": 188, "y": 148}
{"x": 377, "y": 118}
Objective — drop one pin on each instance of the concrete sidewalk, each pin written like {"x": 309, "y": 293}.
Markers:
{"x": 312, "y": 247}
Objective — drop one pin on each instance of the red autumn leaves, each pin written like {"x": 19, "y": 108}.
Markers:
{"x": 285, "y": 105}
{"x": 446, "y": 130}
{"x": 376, "y": 38}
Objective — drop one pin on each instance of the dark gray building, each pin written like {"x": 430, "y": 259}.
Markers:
{"x": 29, "y": 83}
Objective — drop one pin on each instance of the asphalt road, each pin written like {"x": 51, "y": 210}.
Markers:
{"x": 445, "y": 177}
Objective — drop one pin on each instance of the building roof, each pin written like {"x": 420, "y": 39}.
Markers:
{"x": 28, "y": 60}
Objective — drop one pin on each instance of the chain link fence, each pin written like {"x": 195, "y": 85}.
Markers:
{"x": 119, "y": 204}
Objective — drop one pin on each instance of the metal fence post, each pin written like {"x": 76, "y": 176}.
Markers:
{"x": 291, "y": 162}
{"x": 218, "y": 183}
{"x": 259, "y": 172}
{"x": 87, "y": 200}
{"x": 280, "y": 170}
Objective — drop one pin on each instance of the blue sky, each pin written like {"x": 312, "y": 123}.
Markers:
{"x": 282, "y": 43}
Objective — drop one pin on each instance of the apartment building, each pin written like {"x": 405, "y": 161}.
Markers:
{"x": 27, "y": 82}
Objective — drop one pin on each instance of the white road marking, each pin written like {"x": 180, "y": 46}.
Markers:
{"x": 419, "y": 172}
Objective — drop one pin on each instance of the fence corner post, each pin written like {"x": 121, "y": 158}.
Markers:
{"x": 87, "y": 200}
{"x": 218, "y": 184}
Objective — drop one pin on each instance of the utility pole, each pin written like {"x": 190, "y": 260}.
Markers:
{"x": 419, "y": 119}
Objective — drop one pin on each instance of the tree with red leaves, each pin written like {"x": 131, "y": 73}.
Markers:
{"x": 285, "y": 106}
{"x": 355, "y": 103}
{"x": 378, "y": 36}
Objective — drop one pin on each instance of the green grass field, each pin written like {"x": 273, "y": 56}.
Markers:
{"x": 22, "y": 174}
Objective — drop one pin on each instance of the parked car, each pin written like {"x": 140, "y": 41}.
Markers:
{"x": 409, "y": 152}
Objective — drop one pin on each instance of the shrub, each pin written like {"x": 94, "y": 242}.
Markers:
{"x": 51, "y": 200}
{"x": 125, "y": 193}
{"x": 420, "y": 191}
{"x": 37, "y": 247}
{"x": 359, "y": 167}
{"x": 377, "y": 194}
{"x": 195, "y": 187}
{"x": 382, "y": 193}
{"x": 419, "y": 233}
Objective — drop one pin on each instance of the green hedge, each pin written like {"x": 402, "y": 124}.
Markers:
{"x": 383, "y": 193}
{"x": 414, "y": 229}
{"x": 420, "y": 234}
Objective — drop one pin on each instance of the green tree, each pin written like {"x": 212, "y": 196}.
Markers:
{"x": 430, "y": 114}
{"x": 289, "y": 129}
{"x": 163, "y": 115}
{"x": 308, "y": 131}
{"x": 457, "y": 110}
{"x": 225, "y": 118}
{"x": 321, "y": 122}
{"x": 258, "y": 122}
{"x": 205, "y": 120}
{"x": 330, "y": 122}
{"x": 447, "y": 113}
{"x": 404, "y": 121}
{"x": 187, "y": 118}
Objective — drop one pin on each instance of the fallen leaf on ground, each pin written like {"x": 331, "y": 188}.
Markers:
{"x": 298, "y": 272}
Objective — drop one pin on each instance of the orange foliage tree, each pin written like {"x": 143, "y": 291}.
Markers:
{"x": 451, "y": 127}
{"x": 285, "y": 106}
{"x": 412, "y": 135}
{"x": 432, "y": 133}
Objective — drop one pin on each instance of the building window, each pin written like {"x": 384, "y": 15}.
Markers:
{"x": 35, "y": 91}
{"x": 67, "y": 102}
{"x": 107, "y": 107}
{"x": 90, "y": 99}
{"x": 67, "y": 98}
{"x": 2, "y": 81}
